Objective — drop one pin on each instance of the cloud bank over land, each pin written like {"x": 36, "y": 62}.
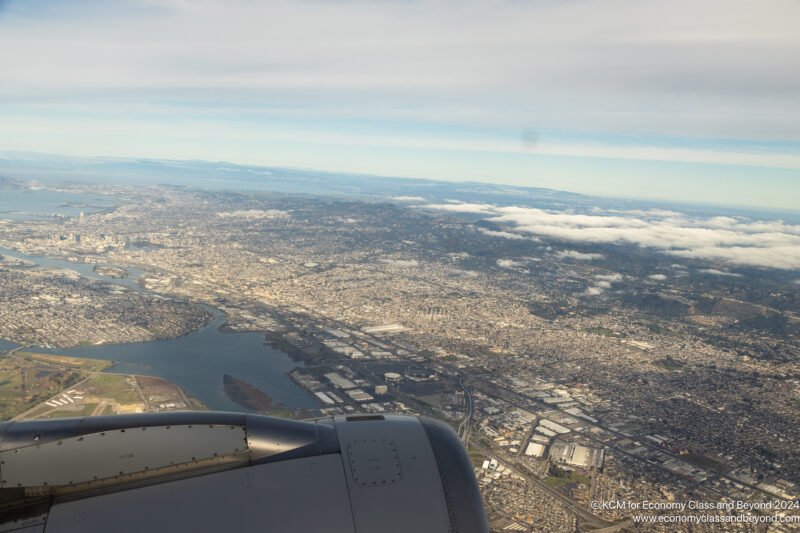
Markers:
{"x": 580, "y": 256}
{"x": 254, "y": 213}
{"x": 408, "y": 198}
{"x": 612, "y": 278}
{"x": 506, "y": 235}
{"x": 715, "y": 272}
{"x": 510, "y": 263}
{"x": 734, "y": 241}
{"x": 486, "y": 209}
{"x": 402, "y": 263}
{"x": 602, "y": 283}
{"x": 518, "y": 263}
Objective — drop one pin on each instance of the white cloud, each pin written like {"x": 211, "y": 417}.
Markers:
{"x": 580, "y": 256}
{"x": 458, "y": 255}
{"x": 657, "y": 277}
{"x": 408, "y": 198}
{"x": 613, "y": 278}
{"x": 510, "y": 263}
{"x": 728, "y": 240}
{"x": 403, "y": 263}
{"x": 521, "y": 262}
{"x": 602, "y": 283}
{"x": 464, "y": 273}
{"x": 785, "y": 257}
{"x": 507, "y": 235}
{"x": 481, "y": 209}
{"x": 715, "y": 272}
{"x": 254, "y": 213}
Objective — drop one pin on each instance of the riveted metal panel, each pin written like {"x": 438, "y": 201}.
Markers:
{"x": 96, "y": 424}
{"x": 27, "y": 432}
{"x": 117, "y": 452}
{"x": 306, "y": 495}
{"x": 374, "y": 462}
{"x": 412, "y": 498}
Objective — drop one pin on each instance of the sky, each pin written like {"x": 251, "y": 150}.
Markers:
{"x": 687, "y": 100}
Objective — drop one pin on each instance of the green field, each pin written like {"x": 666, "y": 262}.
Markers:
{"x": 80, "y": 410}
{"x": 91, "y": 365}
{"x": 557, "y": 482}
{"x": 476, "y": 457}
{"x": 605, "y": 332}
{"x": 113, "y": 386}
{"x": 670, "y": 364}
{"x": 26, "y": 382}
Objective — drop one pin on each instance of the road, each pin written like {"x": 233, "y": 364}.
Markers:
{"x": 465, "y": 426}
{"x": 88, "y": 375}
{"x": 54, "y": 397}
{"x": 530, "y": 403}
{"x": 583, "y": 513}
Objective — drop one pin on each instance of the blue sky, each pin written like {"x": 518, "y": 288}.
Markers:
{"x": 684, "y": 100}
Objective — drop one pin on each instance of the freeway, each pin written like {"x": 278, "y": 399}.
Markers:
{"x": 583, "y": 513}
{"x": 465, "y": 426}
{"x": 514, "y": 400}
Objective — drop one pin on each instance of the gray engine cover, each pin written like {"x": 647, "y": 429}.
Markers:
{"x": 208, "y": 472}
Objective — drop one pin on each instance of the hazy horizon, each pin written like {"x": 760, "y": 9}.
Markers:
{"x": 695, "y": 101}
{"x": 792, "y": 209}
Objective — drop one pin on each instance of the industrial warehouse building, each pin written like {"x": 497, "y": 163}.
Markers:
{"x": 573, "y": 454}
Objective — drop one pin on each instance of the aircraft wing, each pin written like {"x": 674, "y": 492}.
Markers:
{"x": 215, "y": 471}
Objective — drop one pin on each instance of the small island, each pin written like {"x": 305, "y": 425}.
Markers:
{"x": 247, "y": 395}
{"x": 111, "y": 271}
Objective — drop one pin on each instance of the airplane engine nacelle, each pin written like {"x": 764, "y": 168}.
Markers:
{"x": 213, "y": 471}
